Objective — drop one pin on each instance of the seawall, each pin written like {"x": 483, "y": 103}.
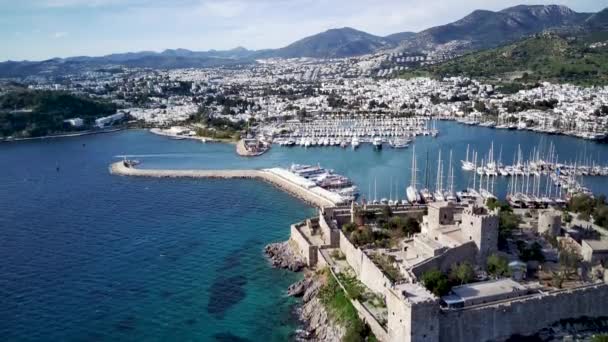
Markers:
{"x": 267, "y": 175}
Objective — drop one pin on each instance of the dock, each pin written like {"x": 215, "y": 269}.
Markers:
{"x": 277, "y": 177}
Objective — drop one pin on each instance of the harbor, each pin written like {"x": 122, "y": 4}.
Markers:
{"x": 325, "y": 192}
{"x": 398, "y": 132}
{"x": 390, "y": 173}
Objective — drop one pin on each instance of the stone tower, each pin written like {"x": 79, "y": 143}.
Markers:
{"x": 481, "y": 227}
{"x": 549, "y": 222}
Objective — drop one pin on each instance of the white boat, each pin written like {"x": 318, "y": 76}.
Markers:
{"x": 377, "y": 142}
{"x": 466, "y": 164}
{"x": 399, "y": 143}
{"x": 355, "y": 143}
{"x": 413, "y": 196}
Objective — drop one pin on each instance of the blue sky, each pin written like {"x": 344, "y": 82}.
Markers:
{"x": 41, "y": 29}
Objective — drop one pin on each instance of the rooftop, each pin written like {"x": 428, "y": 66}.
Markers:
{"x": 597, "y": 245}
{"x": 487, "y": 289}
{"x": 414, "y": 293}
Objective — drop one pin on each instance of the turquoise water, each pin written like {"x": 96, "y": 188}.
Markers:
{"x": 87, "y": 256}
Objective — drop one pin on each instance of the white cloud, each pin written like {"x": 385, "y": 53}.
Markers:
{"x": 223, "y": 9}
{"x": 59, "y": 35}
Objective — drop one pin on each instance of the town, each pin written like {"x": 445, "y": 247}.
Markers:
{"x": 265, "y": 97}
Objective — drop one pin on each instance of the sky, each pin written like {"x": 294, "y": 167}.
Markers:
{"x": 42, "y": 29}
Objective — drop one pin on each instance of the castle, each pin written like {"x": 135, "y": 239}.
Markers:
{"x": 450, "y": 234}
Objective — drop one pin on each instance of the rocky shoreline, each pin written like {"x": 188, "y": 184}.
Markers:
{"x": 316, "y": 325}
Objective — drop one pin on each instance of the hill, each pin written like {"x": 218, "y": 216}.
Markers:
{"x": 543, "y": 57}
{"x": 486, "y": 29}
{"x": 343, "y": 42}
{"x": 26, "y": 113}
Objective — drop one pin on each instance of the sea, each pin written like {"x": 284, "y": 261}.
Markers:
{"x": 88, "y": 256}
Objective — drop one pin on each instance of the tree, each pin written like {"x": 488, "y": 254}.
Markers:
{"x": 600, "y": 338}
{"x": 533, "y": 252}
{"x": 362, "y": 236}
{"x": 436, "y": 282}
{"x": 569, "y": 260}
{"x": 497, "y": 266}
{"x": 411, "y": 226}
{"x": 387, "y": 212}
{"x": 462, "y": 272}
{"x": 349, "y": 227}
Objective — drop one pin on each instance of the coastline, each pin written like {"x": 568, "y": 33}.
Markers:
{"x": 64, "y": 135}
{"x": 164, "y": 133}
{"x": 242, "y": 151}
{"x": 315, "y": 323}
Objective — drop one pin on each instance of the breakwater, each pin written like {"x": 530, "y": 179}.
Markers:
{"x": 315, "y": 196}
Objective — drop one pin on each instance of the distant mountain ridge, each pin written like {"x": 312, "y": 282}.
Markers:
{"x": 542, "y": 57}
{"x": 479, "y": 30}
{"x": 343, "y": 42}
{"x": 484, "y": 29}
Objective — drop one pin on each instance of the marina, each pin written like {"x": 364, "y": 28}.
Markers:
{"x": 540, "y": 181}
{"x": 338, "y": 131}
{"x": 594, "y": 133}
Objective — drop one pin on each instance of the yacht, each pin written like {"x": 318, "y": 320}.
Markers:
{"x": 399, "y": 143}
{"x": 355, "y": 143}
{"x": 377, "y": 142}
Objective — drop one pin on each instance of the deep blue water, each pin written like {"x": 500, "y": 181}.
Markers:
{"x": 88, "y": 256}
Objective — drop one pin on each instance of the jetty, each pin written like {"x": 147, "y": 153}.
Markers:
{"x": 280, "y": 178}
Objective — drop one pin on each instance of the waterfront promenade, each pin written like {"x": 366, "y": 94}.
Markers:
{"x": 316, "y": 196}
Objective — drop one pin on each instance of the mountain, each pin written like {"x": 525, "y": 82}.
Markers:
{"x": 397, "y": 38}
{"x": 477, "y": 31}
{"x": 542, "y": 57}
{"x": 486, "y": 29}
{"x": 343, "y": 42}
{"x": 598, "y": 21}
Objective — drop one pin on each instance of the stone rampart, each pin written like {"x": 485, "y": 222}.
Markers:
{"x": 365, "y": 269}
{"x": 524, "y": 316}
{"x": 331, "y": 237}
{"x": 444, "y": 262}
{"x": 305, "y": 248}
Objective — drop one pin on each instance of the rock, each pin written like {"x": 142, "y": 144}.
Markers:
{"x": 298, "y": 289}
{"x": 316, "y": 325}
{"x": 282, "y": 255}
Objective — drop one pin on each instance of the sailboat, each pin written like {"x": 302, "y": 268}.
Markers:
{"x": 412, "y": 191}
{"x": 449, "y": 194}
{"x": 466, "y": 164}
{"x": 439, "y": 184}
{"x": 425, "y": 193}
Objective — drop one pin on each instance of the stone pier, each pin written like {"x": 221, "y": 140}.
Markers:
{"x": 312, "y": 196}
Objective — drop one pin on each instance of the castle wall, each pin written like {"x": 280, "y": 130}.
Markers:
{"x": 444, "y": 262}
{"x": 331, "y": 237}
{"x": 365, "y": 269}
{"x": 411, "y": 322}
{"x": 306, "y": 249}
{"x": 522, "y": 316}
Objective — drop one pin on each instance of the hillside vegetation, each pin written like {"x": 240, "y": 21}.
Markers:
{"x": 25, "y": 113}
{"x": 545, "y": 57}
